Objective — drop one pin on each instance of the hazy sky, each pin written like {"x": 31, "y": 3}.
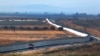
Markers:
{"x": 55, "y": 6}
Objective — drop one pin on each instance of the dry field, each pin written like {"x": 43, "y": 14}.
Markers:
{"x": 9, "y": 36}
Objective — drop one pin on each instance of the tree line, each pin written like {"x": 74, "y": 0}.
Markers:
{"x": 30, "y": 28}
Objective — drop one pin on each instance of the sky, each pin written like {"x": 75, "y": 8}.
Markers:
{"x": 51, "y": 6}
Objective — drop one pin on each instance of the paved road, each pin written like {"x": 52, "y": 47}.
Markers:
{"x": 98, "y": 38}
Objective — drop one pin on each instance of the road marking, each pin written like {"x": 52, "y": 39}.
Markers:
{"x": 96, "y": 37}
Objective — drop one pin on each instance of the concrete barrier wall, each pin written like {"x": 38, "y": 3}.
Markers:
{"x": 44, "y": 43}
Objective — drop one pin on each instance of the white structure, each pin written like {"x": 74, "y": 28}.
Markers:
{"x": 68, "y": 29}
